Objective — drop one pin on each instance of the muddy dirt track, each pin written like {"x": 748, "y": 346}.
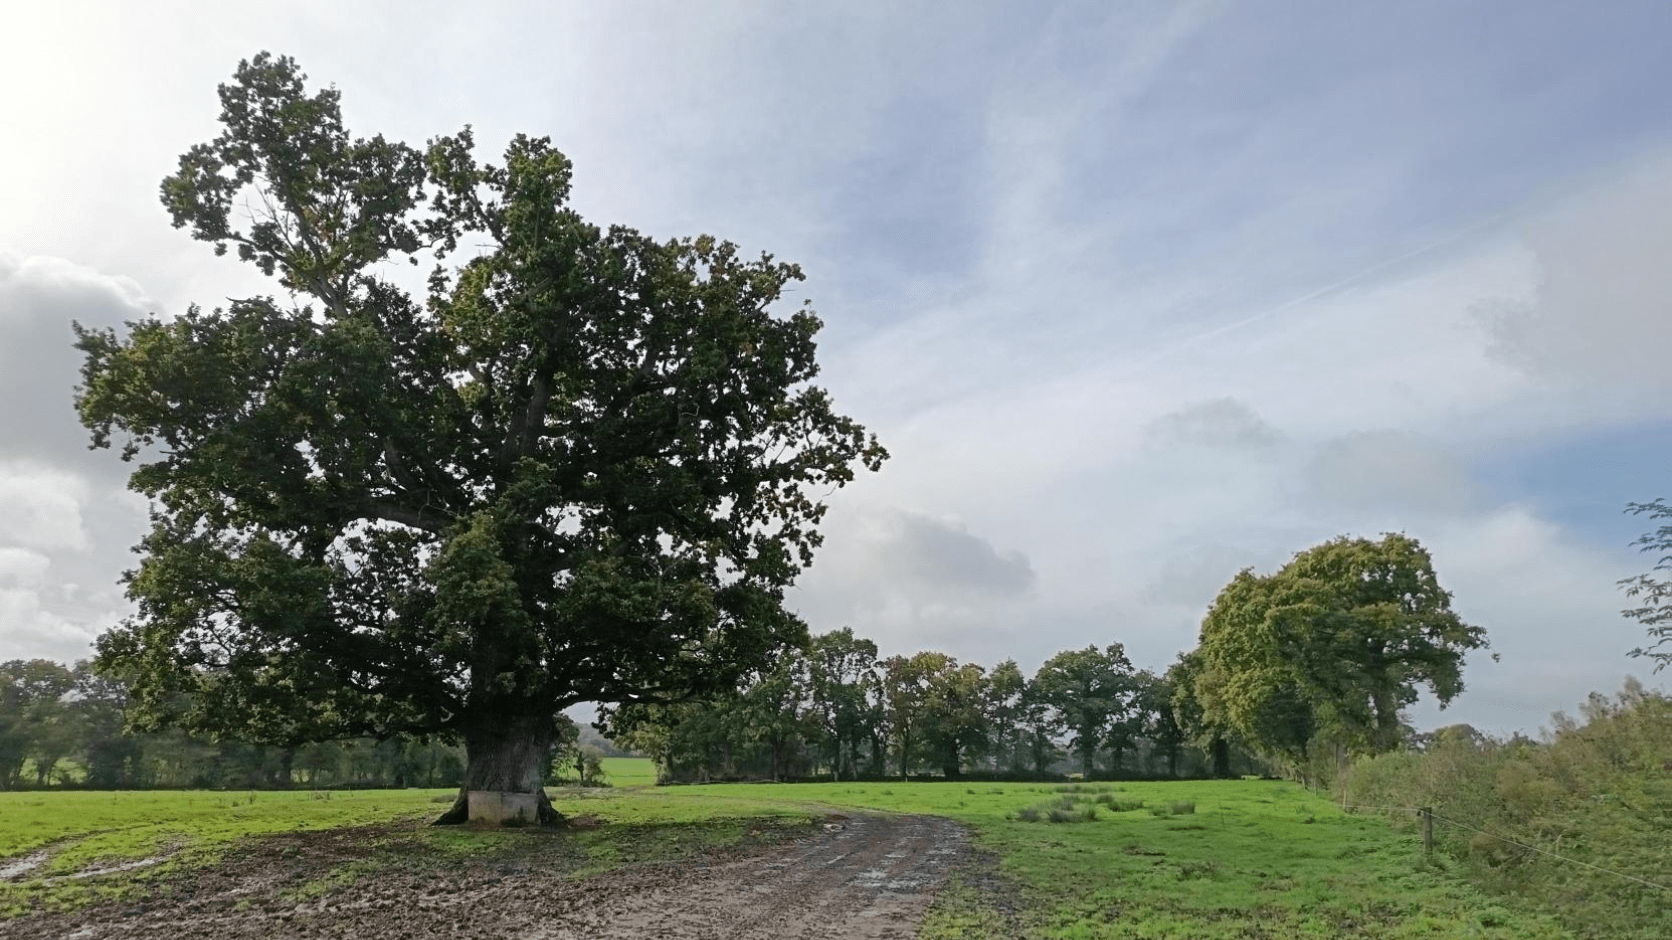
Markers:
{"x": 851, "y": 877}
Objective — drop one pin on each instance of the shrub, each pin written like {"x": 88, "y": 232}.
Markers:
{"x": 1118, "y": 805}
{"x": 1588, "y": 791}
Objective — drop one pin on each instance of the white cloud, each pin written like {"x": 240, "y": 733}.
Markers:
{"x": 1219, "y": 422}
{"x": 1551, "y": 610}
{"x": 30, "y": 631}
{"x": 39, "y": 299}
{"x": 22, "y": 568}
{"x": 1601, "y": 310}
{"x": 41, "y": 508}
{"x": 1391, "y": 469}
{"x": 912, "y": 580}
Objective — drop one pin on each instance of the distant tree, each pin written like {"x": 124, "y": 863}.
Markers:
{"x": 1039, "y": 728}
{"x": 1006, "y": 709}
{"x": 774, "y": 712}
{"x": 1336, "y": 642}
{"x": 1153, "y": 708}
{"x": 566, "y": 750}
{"x": 585, "y": 468}
{"x": 838, "y": 665}
{"x": 34, "y": 719}
{"x": 955, "y": 720}
{"x": 1184, "y": 677}
{"x": 1089, "y": 690}
{"x": 113, "y": 758}
{"x": 905, "y": 695}
{"x": 1656, "y": 591}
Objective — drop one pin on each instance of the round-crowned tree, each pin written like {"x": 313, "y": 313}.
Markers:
{"x": 584, "y": 467}
{"x": 1330, "y": 647}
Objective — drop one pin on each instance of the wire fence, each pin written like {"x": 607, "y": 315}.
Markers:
{"x": 1420, "y": 810}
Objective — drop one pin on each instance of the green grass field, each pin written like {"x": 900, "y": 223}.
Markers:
{"x": 629, "y": 771}
{"x": 1208, "y": 859}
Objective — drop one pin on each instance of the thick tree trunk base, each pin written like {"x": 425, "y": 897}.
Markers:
{"x": 508, "y": 753}
{"x": 494, "y": 808}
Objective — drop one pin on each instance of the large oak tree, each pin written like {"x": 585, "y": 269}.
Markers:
{"x": 584, "y": 467}
{"x": 1334, "y": 643}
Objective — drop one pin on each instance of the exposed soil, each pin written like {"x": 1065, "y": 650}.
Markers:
{"x": 862, "y": 876}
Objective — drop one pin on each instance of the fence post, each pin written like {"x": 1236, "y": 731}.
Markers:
{"x": 1427, "y": 813}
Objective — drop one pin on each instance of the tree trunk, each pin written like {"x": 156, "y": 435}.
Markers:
{"x": 1385, "y": 737}
{"x": 1221, "y": 751}
{"x": 507, "y": 759}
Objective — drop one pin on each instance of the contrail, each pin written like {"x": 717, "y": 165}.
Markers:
{"x": 1322, "y": 291}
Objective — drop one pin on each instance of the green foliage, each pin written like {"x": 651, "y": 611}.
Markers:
{"x": 584, "y": 468}
{"x": 36, "y": 724}
{"x": 1656, "y": 612}
{"x": 842, "y": 674}
{"x": 1006, "y": 711}
{"x": 1329, "y": 648}
{"x": 956, "y": 719}
{"x": 1089, "y": 690}
{"x": 1595, "y": 793}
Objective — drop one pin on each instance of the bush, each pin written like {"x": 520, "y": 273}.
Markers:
{"x": 1118, "y": 805}
{"x": 1592, "y": 792}
{"x": 1064, "y": 809}
{"x": 1062, "y": 815}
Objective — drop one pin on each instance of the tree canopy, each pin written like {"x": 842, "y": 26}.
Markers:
{"x": 1090, "y": 691}
{"x": 1333, "y": 644}
{"x": 583, "y": 467}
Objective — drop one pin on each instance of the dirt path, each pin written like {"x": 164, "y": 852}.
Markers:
{"x": 867, "y": 877}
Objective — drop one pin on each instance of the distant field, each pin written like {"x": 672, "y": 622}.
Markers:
{"x": 1209, "y": 859}
{"x": 123, "y": 825}
{"x": 629, "y": 771}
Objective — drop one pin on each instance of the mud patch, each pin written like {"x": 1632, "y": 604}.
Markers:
{"x": 86, "y": 873}
{"x": 867, "y": 877}
{"x": 18, "y": 867}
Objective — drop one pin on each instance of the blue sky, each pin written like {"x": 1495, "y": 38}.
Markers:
{"x": 1137, "y": 294}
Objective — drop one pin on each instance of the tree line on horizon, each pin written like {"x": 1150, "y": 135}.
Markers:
{"x": 1297, "y": 671}
{"x": 65, "y": 726}
{"x": 837, "y": 710}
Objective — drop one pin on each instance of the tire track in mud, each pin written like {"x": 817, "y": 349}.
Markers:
{"x": 872, "y": 879}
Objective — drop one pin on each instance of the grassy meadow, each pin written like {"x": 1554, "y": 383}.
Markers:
{"x": 1206, "y": 859}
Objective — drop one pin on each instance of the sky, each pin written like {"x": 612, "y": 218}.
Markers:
{"x": 1136, "y": 294}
